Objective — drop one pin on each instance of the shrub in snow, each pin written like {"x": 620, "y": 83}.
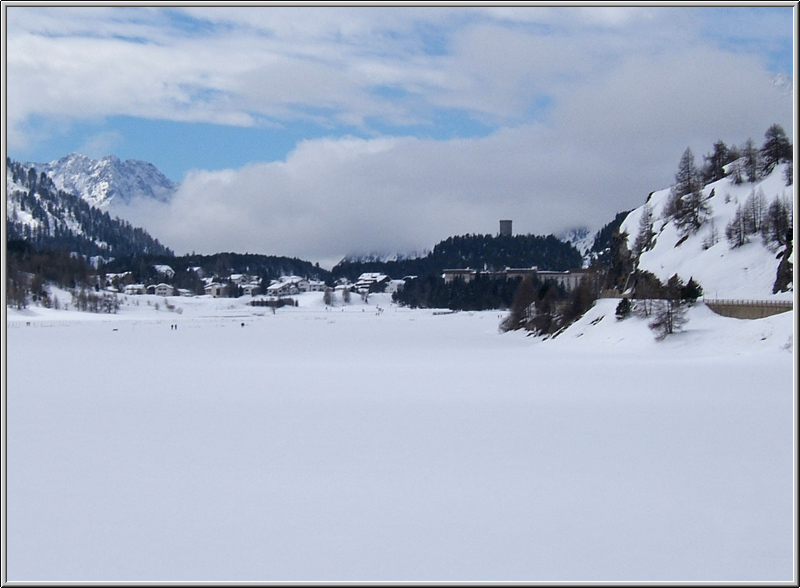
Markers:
{"x": 669, "y": 316}
{"x": 623, "y": 309}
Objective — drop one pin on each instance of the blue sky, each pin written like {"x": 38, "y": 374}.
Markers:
{"x": 318, "y": 132}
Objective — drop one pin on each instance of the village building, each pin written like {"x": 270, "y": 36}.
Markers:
{"x": 134, "y": 289}
{"x": 569, "y": 280}
{"x": 289, "y": 285}
{"x": 251, "y": 289}
{"x": 371, "y": 282}
{"x": 521, "y": 272}
{"x": 163, "y": 290}
{"x": 286, "y": 288}
{"x": 451, "y": 275}
{"x": 213, "y": 289}
{"x": 240, "y": 279}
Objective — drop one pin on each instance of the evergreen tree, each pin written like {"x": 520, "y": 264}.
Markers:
{"x": 754, "y": 210}
{"x": 687, "y": 178}
{"x": 691, "y": 291}
{"x": 751, "y": 160}
{"x": 623, "y": 310}
{"x": 647, "y": 288}
{"x": 696, "y": 211}
{"x": 735, "y": 231}
{"x": 776, "y": 229}
{"x": 714, "y": 167}
{"x": 669, "y": 312}
{"x": 776, "y": 149}
{"x": 622, "y": 262}
{"x": 645, "y": 234}
{"x": 686, "y": 205}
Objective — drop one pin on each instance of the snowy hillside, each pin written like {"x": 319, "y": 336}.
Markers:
{"x": 723, "y": 271}
{"x": 101, "y": 181}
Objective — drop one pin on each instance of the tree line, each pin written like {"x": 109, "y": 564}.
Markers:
{"x": 480, "y": 293}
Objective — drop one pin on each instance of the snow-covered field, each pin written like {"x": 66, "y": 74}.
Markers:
{"x": 352, "y": 444}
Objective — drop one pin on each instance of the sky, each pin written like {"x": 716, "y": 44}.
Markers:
{"x": 318, "y": 132}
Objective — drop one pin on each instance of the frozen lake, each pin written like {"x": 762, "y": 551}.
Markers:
{"x": 317, "y": 445}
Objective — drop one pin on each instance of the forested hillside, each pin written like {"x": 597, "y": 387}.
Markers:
{"x": 482, "y": 252}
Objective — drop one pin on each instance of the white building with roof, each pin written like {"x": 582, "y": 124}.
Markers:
{"x": 370, "y": 281}
{"x": 164, "y": 290}
{"x": 213, "y": 289}
{"x": 288, "y": 285}
{"x": 450, "y": 275}
{"x": 135, "y": 289}
{"x": 251, "y": 289}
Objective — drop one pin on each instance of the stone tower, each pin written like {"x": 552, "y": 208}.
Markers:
{"x": 505, "y": 228}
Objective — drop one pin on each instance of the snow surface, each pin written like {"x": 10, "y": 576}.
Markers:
{"x": 371, "y": 442}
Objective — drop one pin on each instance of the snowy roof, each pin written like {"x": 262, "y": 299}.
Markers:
{"x": 278, "y": 286}
{"x": 372, "y": 277}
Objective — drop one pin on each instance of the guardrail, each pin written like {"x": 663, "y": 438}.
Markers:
{"x": 749, "y": 302}
{"x": 748, "y": 309}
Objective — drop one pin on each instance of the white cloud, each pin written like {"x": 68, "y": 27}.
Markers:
{"x": 624, "y": 91}
{"x": 101, "y": 144}
{"x": 235, "y": 66}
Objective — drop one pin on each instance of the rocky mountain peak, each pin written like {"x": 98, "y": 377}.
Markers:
{"x": 99, "y": 182}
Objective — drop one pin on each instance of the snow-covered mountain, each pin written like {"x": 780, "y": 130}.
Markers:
{"x": 99, "y": 182}
{"x": 41, "y": 214}
{"x": 724, "y": 267}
